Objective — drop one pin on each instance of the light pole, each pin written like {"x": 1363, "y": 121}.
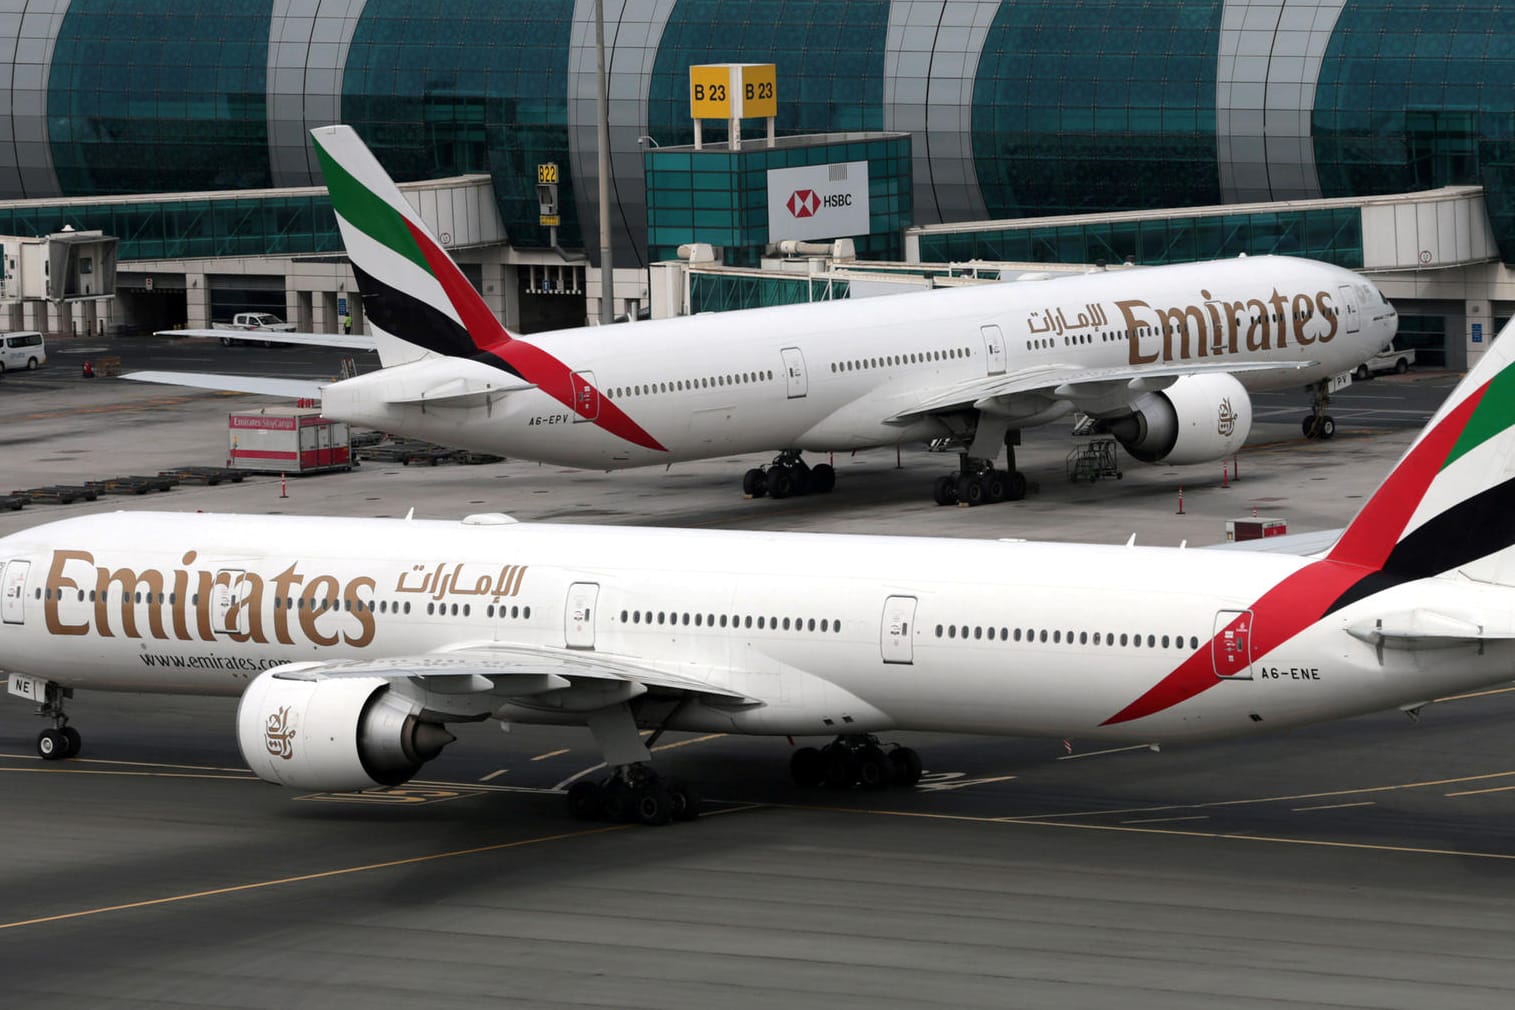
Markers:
{"x": 602, "y": 105}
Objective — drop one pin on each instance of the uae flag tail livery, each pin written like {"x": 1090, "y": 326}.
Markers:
{"x": 417, "y": 301}
{"x": 1445, "y": 512}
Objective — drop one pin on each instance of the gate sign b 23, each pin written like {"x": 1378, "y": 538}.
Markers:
{"x": 818, "y": 201}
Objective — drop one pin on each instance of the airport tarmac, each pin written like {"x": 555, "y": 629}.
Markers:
{"x": 1366, "y": 863}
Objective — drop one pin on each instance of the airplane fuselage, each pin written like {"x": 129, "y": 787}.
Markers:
{"x": 844, "y": 375}
{"x": 1094, "y": 642}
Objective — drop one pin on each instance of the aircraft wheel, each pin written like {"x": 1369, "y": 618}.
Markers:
{"x": 822, "y": 478}
{"x": 584, "y": 801}
{"x": 1016, "y": 486}
{"x": 654, "y": 806}
{"x": 52, "y": 745}
{"x": 799, "y": 474}
{"x": 755, "y": 483}
{"x": 807, "y": 768}
{"x": 72, "y": 740}
{"x": 617, "y": 803}
{"x": 906, "y": 764}
{"x": 1327, "y": 426}
{"x": 780, "y": 482}
{"x": 945, "y": 492}
{"x": 972, "y": 490}
{"x": 996, "y": 488}
{"x": 873, "y": 769}
{"x": 686, "y": 802}
{"x": 841, "y": 767}
{"x": 1308, "y": 426}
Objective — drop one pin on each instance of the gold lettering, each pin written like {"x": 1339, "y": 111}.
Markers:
{"x": 250, "y": 601}
{"x": 1303, "y": 310}
{"x": 56, "y": 583}
{"x": 1281, "y": 329}
{"x": 1234, "y": 312}
{"x": 360, "y": 609}
{"x": 1133, "y": 331}
{"x": 1323, "y": 301}
{"x": 181, "y": 598}
{"x": 1257, "y": 329}
{"x": 323, "y": 587}
{"x": 131, "y": 582}
{"x": 203, "y": 607}
{"x": 1179, "y": 316}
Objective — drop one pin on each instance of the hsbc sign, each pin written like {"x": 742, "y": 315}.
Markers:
{"x": 818, "y": 201}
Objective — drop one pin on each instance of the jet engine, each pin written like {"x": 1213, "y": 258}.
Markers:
{"x": 334, "y": 734}
{"x": 1197, "y": 419}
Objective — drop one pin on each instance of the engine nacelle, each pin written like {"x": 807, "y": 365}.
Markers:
{"x": 335, "y": 734}
{"x": 1197, "y": 419}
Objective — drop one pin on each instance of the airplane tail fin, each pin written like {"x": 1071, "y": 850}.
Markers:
{"x": 414, "y": 296}
{"x": 1449, "y": 504}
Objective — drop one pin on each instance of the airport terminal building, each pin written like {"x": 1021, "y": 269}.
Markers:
{"x": 1378, "y": 135}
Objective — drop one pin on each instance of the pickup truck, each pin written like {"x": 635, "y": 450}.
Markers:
{"x": 1390, "y": 359}
{"x": 253, "y": 321}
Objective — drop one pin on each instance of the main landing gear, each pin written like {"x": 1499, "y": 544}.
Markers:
{"x": 1319, "y": 424}
{"x": 977, "y": 482}
{"x": 62, "y": 740}
{"x": 856, "y": 760}
{"x": 633, "y": 792}
{"x": 788, "y": 475}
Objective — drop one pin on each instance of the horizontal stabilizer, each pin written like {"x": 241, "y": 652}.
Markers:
{"x": 461, "y": 397}
{"x": 298, "y": 389}
{"x": 346, "y": 341}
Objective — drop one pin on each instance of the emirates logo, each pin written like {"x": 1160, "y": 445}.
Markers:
{"x": 803, "y": 203}
{"x": 279, "y": 735}
{"x": 1225, "y": 419}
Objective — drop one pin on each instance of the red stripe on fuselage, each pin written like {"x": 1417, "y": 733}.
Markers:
{"x": 1304, "y": 597}
{"x": 530, "y": 362}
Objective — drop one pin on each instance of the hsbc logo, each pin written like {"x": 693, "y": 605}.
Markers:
{"x": 804, "y": 203}
{"x": 818, "y": 201}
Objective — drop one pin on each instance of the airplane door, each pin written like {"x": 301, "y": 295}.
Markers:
{"x": 227, "y": 593}
{"x": 794, "y": 372}
{"x": 994, "y": 349}
{"x": 13, "y": 593}
{"x": 1231, "y": 645}
{"x": 578, "y": 615}
{"x": 1349, "y": 308}
{"x": 586, "y": 398}
{"x": 895, "y": 636}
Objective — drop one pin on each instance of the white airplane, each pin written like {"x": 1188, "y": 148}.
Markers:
{"x": 354, "y": 642}
{"x": 1162, "y": 358}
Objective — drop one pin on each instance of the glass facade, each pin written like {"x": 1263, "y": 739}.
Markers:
{"x": 170, "y": 229}
{"x": 829, "y": 57}
{"x": 159, "y": 97}
{"x": 1418, "y": 95}
{"x": 1097, "y": 105}
{"x": 723, "y": 292}
{"x": 1333, "y": 235}
{"x": 721, "y": 197}
{"x": 438, "y": 90}
{"x": 1019, "y": 109}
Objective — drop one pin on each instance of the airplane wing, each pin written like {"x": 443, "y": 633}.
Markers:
{"x": 1069, "y": 382}
{"x": 512, "y": 670}
{"x": 349, "y": 341}
{"x": 299, "y": 389}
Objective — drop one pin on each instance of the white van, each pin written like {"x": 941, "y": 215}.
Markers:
{"x": 22, "y": 349}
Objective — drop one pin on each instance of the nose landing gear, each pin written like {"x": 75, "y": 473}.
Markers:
{"x": 62, "y": 740}
{"x": 1319, "y": 424}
